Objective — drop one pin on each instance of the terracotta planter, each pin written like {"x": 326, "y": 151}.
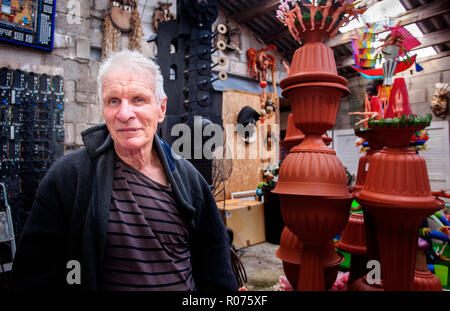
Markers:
{"x": 397, "y": 196}
{"x": 353, "y": 241}
{"x": 315, "y": 104}
{"x": 290, "y": 252}
{"x": 312, "y": 183}
{"x": 326, "y": 139}
{"x": 312, "y": 173}
{"x": 353, "y": 238}
{"x": 362, "y": 285}
{"x": 424, "y": 280}
{"x": 315, "y": 221}
{"x": 363, "y": 164}
{"x": 311, "y": 63}
{"x": 294, "y": 136}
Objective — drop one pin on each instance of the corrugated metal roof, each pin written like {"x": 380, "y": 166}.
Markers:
{"x": 259, "y": 17}
{"x": 433, "y": 24}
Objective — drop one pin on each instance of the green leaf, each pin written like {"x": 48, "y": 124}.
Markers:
{"x": 381, "y": 122}
{"x": 428, "y": 119}
{"x": 328, "y": 19}
{"x": 411, "y": 120}
{"x": 403, "y": 120}
{"x": 388, "y": 122}
{"x": 417, "y": 121}
{"x": 395, "y": 122}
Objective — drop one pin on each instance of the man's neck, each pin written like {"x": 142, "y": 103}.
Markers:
{"x": 145, "y": 160}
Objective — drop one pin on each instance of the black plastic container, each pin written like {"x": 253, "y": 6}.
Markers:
{"x": 272, "y": 215}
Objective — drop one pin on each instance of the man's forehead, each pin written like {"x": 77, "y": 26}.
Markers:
{"x": 126, "y": 78}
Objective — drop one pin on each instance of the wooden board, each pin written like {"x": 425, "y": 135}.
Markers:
{"x": 248, "y": 162}
{"x": 246, "y": 219}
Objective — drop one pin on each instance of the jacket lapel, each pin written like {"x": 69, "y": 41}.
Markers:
{"x": 174, "y": 178}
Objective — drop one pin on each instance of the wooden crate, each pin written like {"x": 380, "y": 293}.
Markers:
{"x": 246, "y": 219}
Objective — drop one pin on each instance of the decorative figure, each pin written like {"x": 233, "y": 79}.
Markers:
{"x": 439, "y": 101}
{"x": 121, "y": 17}
{"x": 258, "y": 64}
{"x": 326, "y": 9}
{"x": 312, "y": 12}
{"x": 162, "y": 14}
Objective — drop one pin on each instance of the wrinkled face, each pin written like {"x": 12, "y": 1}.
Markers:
{"x": 130, "y": 109}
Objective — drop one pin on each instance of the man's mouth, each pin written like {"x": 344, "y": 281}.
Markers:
{"x": 129, "y": 129}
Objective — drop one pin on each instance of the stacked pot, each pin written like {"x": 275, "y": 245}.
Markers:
{"x": 396, "y": 198}
{"x": 312, "y": 183}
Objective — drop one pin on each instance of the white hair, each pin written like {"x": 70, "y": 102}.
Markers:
{"x": 132, "y": 60}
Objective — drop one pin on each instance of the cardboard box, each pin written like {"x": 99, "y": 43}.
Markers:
{"x": 246, "y": 219}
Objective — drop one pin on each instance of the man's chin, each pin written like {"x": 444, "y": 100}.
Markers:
{"x": 131, "y": 143}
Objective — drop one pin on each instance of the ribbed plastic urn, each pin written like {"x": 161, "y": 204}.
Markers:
{"x": 312, "y": 183}
{"x": 397, "y": 197}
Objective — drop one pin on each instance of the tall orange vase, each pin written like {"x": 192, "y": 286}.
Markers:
{"x": 312, "y": 183}
{"x": 397, "y": 196}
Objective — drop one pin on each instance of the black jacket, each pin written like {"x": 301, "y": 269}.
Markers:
{"x": 70, "y": 215}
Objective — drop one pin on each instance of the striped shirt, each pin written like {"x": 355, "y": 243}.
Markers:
{"x": 147, "y": 239}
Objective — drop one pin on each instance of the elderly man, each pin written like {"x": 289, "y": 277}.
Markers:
{"x": 131, "y": 215}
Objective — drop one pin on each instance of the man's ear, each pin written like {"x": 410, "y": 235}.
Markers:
{"x": 163, "y": 110}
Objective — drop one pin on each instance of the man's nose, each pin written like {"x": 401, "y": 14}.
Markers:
{"x": 125, "y": 112}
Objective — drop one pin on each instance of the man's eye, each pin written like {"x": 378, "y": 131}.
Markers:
{"x": 139, "y": 100}
{"x": 114, "y": 101}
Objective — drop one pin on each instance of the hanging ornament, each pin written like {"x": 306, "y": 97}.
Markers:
{"x": 418, "y": 67}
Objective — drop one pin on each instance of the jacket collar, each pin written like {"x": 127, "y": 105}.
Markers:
{"x": 97, "y": 140}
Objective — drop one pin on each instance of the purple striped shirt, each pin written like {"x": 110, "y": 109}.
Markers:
{"x": 147, "y": 240}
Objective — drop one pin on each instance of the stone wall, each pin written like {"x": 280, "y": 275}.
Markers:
{"x": 77, "y": 51}
{"x": 421, "y": 86}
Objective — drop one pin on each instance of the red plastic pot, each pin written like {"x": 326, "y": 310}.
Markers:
{"x": 353, "y": 238}
{"x": 424, "y": 280}
{"x": 290, "y": 252}
{"x": 397, "y": 197}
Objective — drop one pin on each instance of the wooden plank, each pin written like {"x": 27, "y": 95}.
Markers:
{"x": 429, "y": 39}
{"x": 262, "y": 8}
{"x": 236, "y": 204}
{"x": 409, "y": 17}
